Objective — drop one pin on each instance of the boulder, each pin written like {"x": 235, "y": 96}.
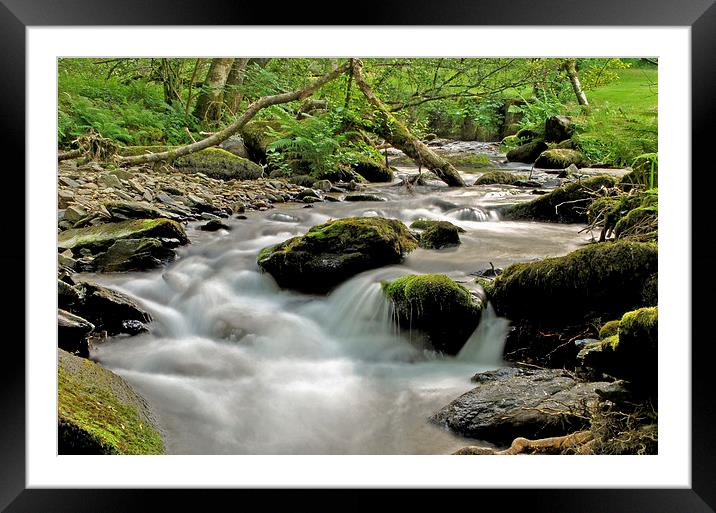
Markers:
{"x": 603, "y": 279}
{"x": 257, "y": 134}
{"x": 98, "y": 412}
{"x": 559, "y": 159}
{"x": 214, "y": 225}
{"x": 566, "y": 204}
{"x": 372, "y": 170}
{"x": 435, "y": 305}
{"x": 499, "y": 177}
{"x": 527, "y": 153}
{"x": 439, "y": 235}
{"x": 630, "y": 353}
{"x": 515, "y": 402}
{"x": 235, "y": 144}
{"x": 133, "y": 255}
{"x": 72, "y": 333}
{"x": 363, "y": 197}
{"x": 558, "y": 128}
{"x": 424, "y": 224}
{"x": 221, "y": 164}
{"x": 124, "y": 210}
{"x": 333, "y": 252}
{"x": 101, "y": 237}
{"x": 110, "y": 310}
{"x": 67, "y": 295}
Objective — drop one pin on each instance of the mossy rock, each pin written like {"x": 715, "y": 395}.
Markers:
{"x": 424, "y": 224}
{"x": 98, "y": 412}
{"x": 568, "y": 144}
{"x": 220, "y": 164}
{"x": 134, "y": 151}
{"x": 499, "y": 177}
{"x": 603, "y": 279}
{"x": 631, "y": 353}
{"x": 437, "y": 306}
{"x": 559, "y": 159}
{"x": 566, "y": 204}
{"x": 332, "y": 252}
{"x": 527, "y": 135}
{"x": 558, "y": 128}
{"x": 133, "y": 255}
{"x": 372, "y": 170}
{"x": 440, "y": 234}
{"x": 527, "y": 153}
{"x": 609, "y": 329}
{"x": 469, "y": 160}
{"x": 101, "y": 237}
{"x": 650, "y": 293}
{"x": 641, "y": 224}
{"x": 257, "y": 135}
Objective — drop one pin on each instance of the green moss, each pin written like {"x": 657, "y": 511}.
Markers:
{"x": 439, "y": 236}
{"x": 608, "y": 329}
{"x": 334, "y": 251}
{"x": 650, "y": 293}
{"x": 559, "y": 158}
{"x": 499, "y": 177}
{"x": 598, "y": 280}
{"x": 468, "y": 159}
{"x": 219, "y": 163}
{"x": 566, "y": 204}
{"x": 98, "y": 412}
{"x": 104, "y": 235}
{"x": 424, "y": 224}
{"x": 371, "y": 169}
{"x": 640, "y": 223}
{"x": 487, "y": 284}
{"x": 638, "y": 329}
{"x": 436, "y": 305}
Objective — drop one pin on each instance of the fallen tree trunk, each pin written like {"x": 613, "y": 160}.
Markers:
{"x": 387, "y": 126}
{"x": 234, "y": 127}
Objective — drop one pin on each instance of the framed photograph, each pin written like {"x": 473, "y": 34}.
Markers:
{"x": 203, "y": 277}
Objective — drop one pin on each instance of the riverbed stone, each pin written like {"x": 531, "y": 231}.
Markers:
{"x": 101, "y": 237}
{"x": 133, "y": 255}
{"x": 73, "y": 332}
{"x": 527, "y": 153}
{"x": 518, "y": 402}
{"x": 332, "y": 252}
{"x": 100, "y": 413}
{"x": 109, "y": 309}
{"x": 445, "y": 311}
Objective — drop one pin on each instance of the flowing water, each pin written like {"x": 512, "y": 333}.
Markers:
{"x": 234, "y": 365}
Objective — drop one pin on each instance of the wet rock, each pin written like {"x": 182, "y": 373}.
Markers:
{"x": 67, "y": 295}
{"x": 73, "y": 332}
{"x": 566, "y": 204}
{"x": 363, "y": 197}
{"x": 101, "y": 237}
{"x": 499, "y": 177}
{"x": 445, "y": 311}
{"x": 527, "y": 153}
{"x": 511, "y": 403}
{"x": 322, "y": 185}
{"x": 603, "y": 279}
{"x": 108, "y": 309}
{"x": 526, "y": 183}
{"x": 559, "y": 159}
{"x": 98, "y": 412}
{"x": 332, "y": 252}
{"x": 312, "y": 199}
{"x": 125, "y": 210}
{"x": 214, "y": 225}
{"x": 440, "y": 234}
{"x": 134, "y": 255}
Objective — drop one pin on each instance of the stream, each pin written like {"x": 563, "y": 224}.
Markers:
{"x": 234, "y": 365}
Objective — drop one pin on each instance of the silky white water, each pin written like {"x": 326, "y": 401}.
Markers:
{"x": 234, "y": 365}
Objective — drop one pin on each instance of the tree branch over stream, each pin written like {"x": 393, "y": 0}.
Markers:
{"x": 234, "y": 127}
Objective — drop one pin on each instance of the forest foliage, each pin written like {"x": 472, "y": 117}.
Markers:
{"x": 153, "y": 102}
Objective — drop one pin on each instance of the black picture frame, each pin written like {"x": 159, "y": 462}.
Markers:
{"x": 700, "y": 15}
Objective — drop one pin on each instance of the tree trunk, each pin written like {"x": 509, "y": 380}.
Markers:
{"x": 234, "y": 127}
{"x": 210, "y": 101}
{"x": 570, "y": 66}
{"x": 389, "y": 128}
{"x": 232, "y": 91}
{"x": 170, "y": 81}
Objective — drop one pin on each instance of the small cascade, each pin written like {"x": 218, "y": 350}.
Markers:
{"x": 472, "y": 214}
{"x": 487, "y": 344}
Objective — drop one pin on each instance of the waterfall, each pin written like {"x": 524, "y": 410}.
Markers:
{"x": 486, "y": 345}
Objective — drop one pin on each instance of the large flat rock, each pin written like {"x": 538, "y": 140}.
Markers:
{"x": 515, "y": 402}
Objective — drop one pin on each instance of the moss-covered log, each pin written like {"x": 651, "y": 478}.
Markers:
{"x": 387, "y": 126}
